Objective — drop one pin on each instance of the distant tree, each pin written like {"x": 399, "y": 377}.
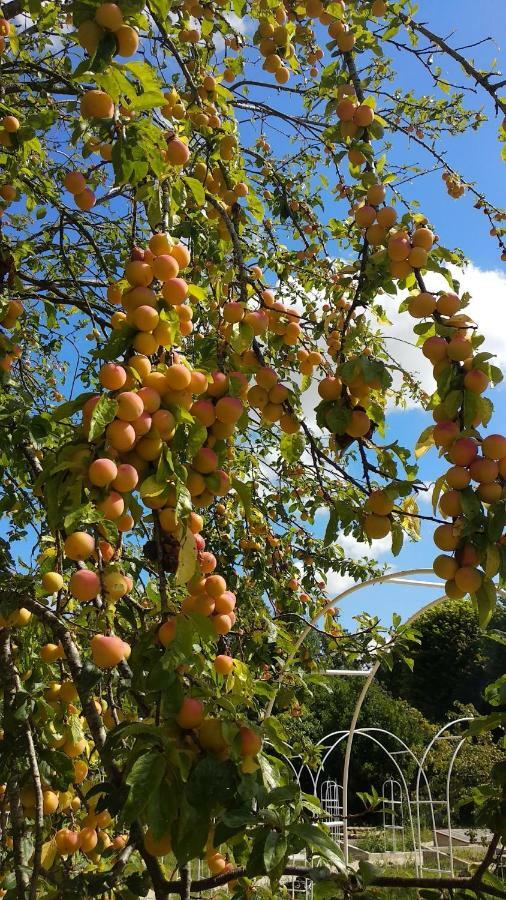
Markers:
{"x": 328, "y": 712}
{"x": 453, "y": 663}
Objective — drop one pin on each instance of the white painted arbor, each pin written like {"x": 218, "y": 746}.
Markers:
{"x": 337, "y": 809}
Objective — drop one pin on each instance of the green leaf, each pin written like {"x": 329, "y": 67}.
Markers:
{"x": 151, "y": 90}
{"x": 196, "y": 291}
{"x": 244, "y": 489}
{"x": 143, "y": 779}
{"x": 162, "y": 809}
{"x": 67, "y": 409}
{"x": 275, "y": 850}
{"x": 292, "y": 446}
{"x": 368, "y": 872}
{"x": 197, "y": 436}
{"x": 190, "y": 836}
{"x": 315, "y": 838}
{"x": 212, "y": 784}
{"x": 103, "y": 413}
{"x": 471, "y": 506}
{"x": 397, "y": 539}
{"x": 86, "y": 514}
{"x": 486, "y": 598}
{"x": 197, "y": 189}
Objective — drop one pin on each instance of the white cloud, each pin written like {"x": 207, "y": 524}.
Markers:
{"x": 487, "y": 308}
{"x": 238, "y": 24}
{"x": 354, "y": 549}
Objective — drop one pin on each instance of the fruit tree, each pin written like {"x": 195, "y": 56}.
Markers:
{"x": 204, "y": 204}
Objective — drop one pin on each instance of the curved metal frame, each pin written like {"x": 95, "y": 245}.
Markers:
{"x": 393, "y": 784}
{"x": 400, "y": 578}
{"x": 427, "y": 750}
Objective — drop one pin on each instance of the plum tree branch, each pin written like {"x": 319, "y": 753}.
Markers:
{"x": 469, "y": 69}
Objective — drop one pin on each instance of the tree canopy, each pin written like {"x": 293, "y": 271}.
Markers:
{"x": 205, "y": 205}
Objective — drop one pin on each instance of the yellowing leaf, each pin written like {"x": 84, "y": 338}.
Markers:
{"x": 425, "y": 441}
{"x": 493, "y": 562}
{"x": 48, "y": 854}
{"x": 187, "y": 559}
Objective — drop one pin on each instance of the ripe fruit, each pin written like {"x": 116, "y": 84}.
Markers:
{"x": 49, "y": 802}
{"x": 102, "y": 472}
{"x": 434, "y": 348}
{"x": 165, "y": 267}
{"x": 215, "y": 586}
{"x": 365, "y": 216}
{"x": 229, "y": 410}
{"x": 174, "y": 291}
{"x": 379, "y": 503}
{"x": 108, "y": 650}
{"x": 205, "y": 461}
{"x": 127, "y": 40}
{"x": 84, "y": 585}
{"x": 330, "y": 388}
{"x": 66, "y": 841}
{"x": 452, "y": 591}
{"x": 223, "y": 664}
{"x": 112, "y": 505}
{"x": 446, "y": 538}
{"x": 112, "y": 376}
{"x": 250, "y": 742}
{"x": 477, "y": 382}
{"x": 79, "y": 545}
{"x": 489, "y": 493}
{"x": 52, "y": 582}
{"x": 422, "y": 237}
{"x": 120, "y": 435}
{"x": 448, "y": 304}
{"x": 138, "y": 273}
{"x": 376, "y": 527}
{"x": 363, "y": 115}
{"x": 191, "y": 714}
{"x": 178, "y": 377}
{"x": 422, "y": 305}
{"x": 459, "y": 348}
{"x": 157, "y": 846}
{"x": 386, "y": 217}
{"x": 484, "y": 470}
{"x": 450, "y": 504}
{"x": 88, "y": 839}
{"x": 97, "y": 105}
{"x": 75, "y": 182}
{"x": 445, "y": 567}
{"x": 109, "y": 15}
{"x": 359, "y": 424}
{"x": 130, "y": 407}
{"x": 85, "y": 200}
{"x": 167, "y": 632}
{"x": 89, "y": 35}
{"x": 177, "y": 152}
{"x": 468, "y": 555}
{"x": 51, "y": 652}
{"x": 444, "y": 433}
{"x": 222, "y": 623}
{"x": 494, "y": 445}
{"x": 468, "y": 579}
{"x": 463, "y": 451}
